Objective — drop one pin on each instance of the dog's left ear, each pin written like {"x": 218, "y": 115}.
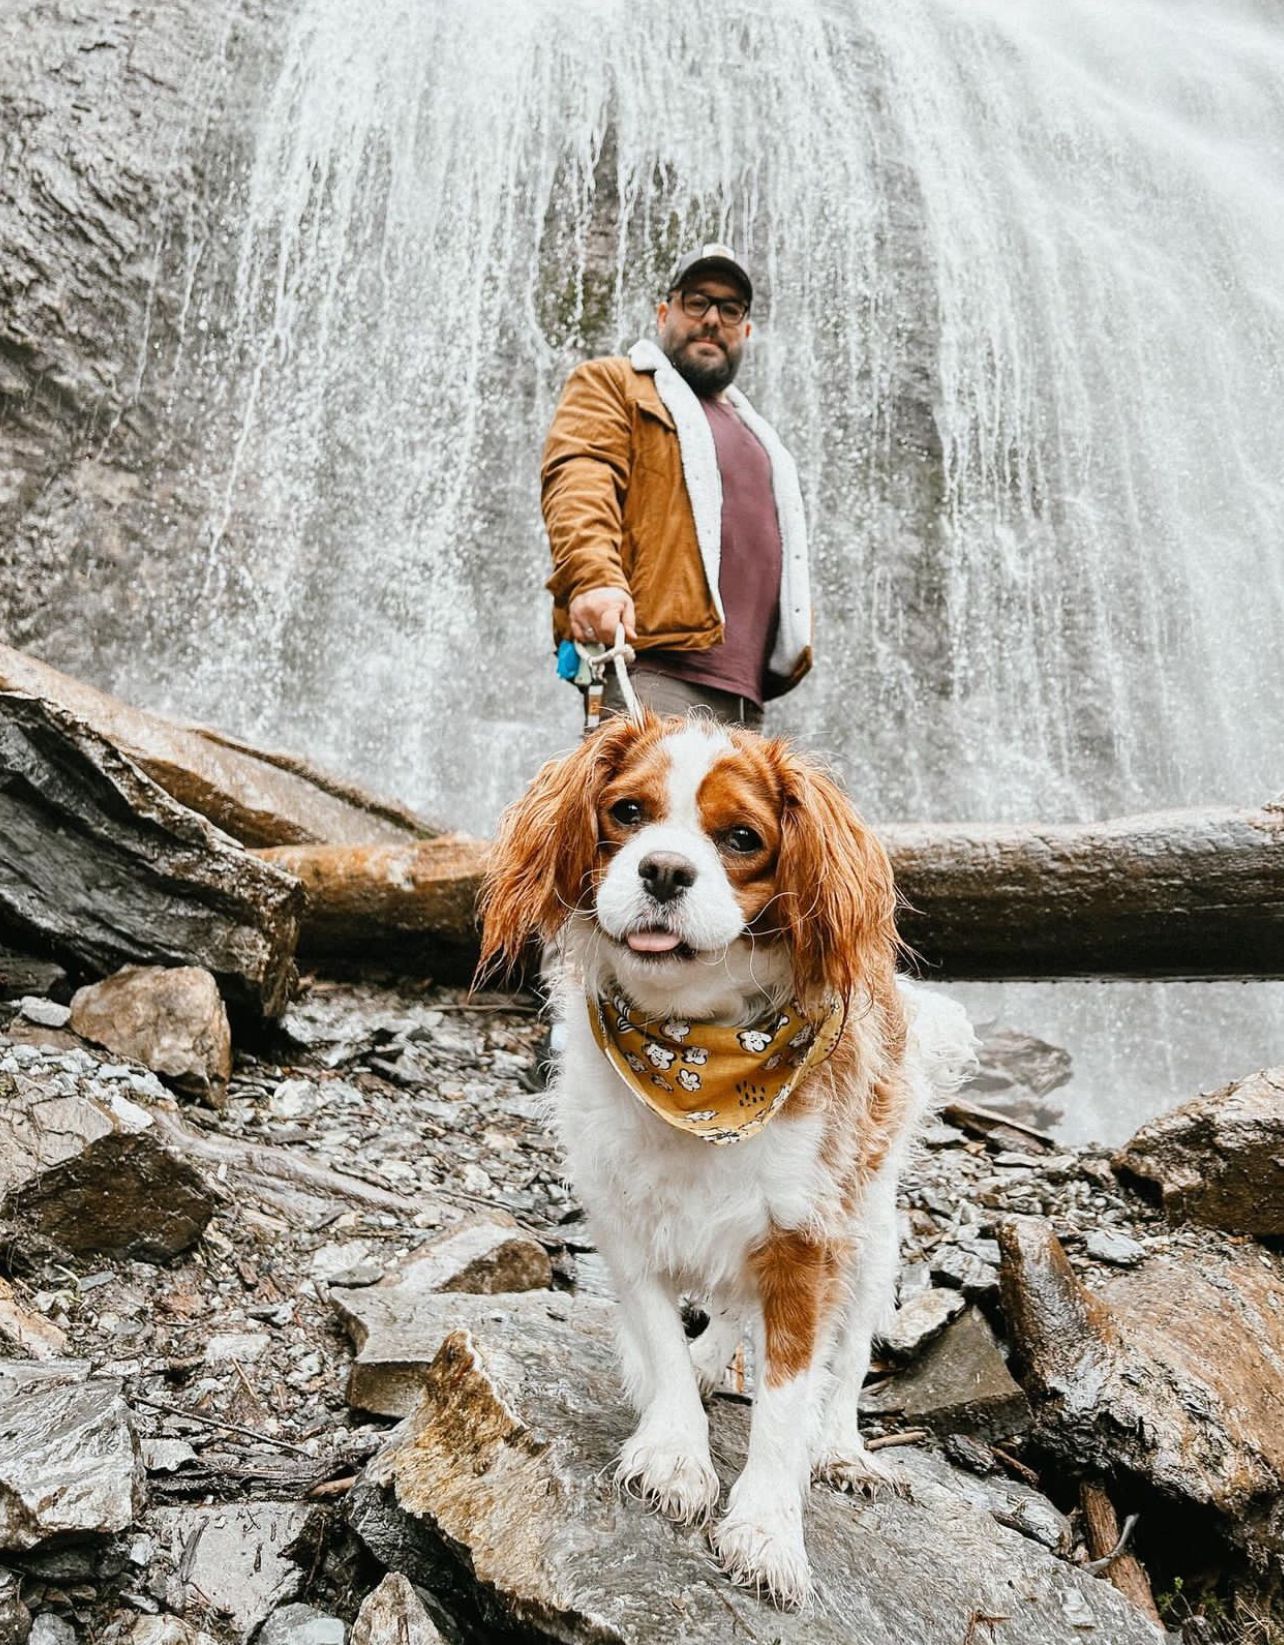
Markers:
{"x": 836, "y": 901}
{"x": 540, "y": 869}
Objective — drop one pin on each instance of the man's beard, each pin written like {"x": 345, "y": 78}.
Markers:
{"x": 706, "y": 376}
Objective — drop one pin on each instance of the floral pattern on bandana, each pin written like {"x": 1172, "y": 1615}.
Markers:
{"x": 725, "y": 1083}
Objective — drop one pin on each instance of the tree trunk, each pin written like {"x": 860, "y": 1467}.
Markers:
{"x": 101, "y": 868}
{"x": 1191, "y": 894}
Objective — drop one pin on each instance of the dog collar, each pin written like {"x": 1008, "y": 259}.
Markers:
{"x": 721, "y": 1084}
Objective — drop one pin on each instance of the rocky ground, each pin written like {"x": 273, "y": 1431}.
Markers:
{"x": 332, "y": 1361}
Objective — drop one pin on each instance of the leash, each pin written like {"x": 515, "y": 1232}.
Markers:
{"x": 596, "y": 657}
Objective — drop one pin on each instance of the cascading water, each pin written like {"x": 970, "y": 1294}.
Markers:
{"x": 1019, "y": 319}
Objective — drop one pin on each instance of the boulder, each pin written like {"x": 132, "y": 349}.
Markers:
{"x": 101, "y": 868}
{"x": 169, "y": 1018}
{"x": 235, "y": 1561}
{"x": 505, "y": 1467}
{"x": 960, "y": 1384}
{"x": 69, "y": 1462}
{"x": 1172, "y": 1371}
{"x": 1220, "y": 1159}
{"x": 394, "y": 1612}
{"x": 84, "y": 1166}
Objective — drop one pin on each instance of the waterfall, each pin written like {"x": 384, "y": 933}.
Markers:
{"x": 1019, "y": 318}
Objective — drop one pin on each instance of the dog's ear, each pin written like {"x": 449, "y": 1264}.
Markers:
{"x": 836, "y": 901}
{"x": 540, "y": 868}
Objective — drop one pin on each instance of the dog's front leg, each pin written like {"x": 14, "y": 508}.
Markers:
{"x": 666, "y": 1458}
{"x": 760, "y": 1539}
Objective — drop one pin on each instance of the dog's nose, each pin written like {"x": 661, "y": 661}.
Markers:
{"x": 666, "y": 875}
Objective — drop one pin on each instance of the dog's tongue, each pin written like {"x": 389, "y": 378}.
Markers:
{"x": 652, "y": 942}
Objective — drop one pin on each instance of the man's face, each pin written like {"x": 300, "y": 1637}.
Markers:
{"x": 706, "y": 348}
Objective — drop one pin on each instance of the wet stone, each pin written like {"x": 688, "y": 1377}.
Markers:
{"x": 169, "y": 1018}
{"x": 394, "y": 1612}
{"x": 302, "y": 1625}
{"x": 923, "y": 1316}
{"x": 233, "y": 1560}
{"x": 961, "y": 1383}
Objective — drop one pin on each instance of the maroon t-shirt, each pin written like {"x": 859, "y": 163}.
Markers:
{"x": 749, "y": 578}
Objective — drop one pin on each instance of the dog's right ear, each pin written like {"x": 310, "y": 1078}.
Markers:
{"x": 541, "y": 866}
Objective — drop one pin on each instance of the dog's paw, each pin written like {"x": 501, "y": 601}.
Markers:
{"x": 852, "y": 1468}
{"x": 676, "y": 1479}
{"x": 765, "y": 1551}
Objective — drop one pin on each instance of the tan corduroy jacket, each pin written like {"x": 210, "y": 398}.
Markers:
{"x": 627, "y": 486}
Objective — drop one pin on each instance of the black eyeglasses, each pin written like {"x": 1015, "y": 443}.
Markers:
{"x": 696, "y": 304}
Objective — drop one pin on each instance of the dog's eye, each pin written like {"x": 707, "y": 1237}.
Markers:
{"x": 628, "y": 813}
{"x": 743, "y": 840}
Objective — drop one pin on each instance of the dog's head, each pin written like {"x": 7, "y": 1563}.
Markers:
{"x": 688, "y": 849}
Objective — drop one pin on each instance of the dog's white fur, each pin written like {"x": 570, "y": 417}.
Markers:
{"x": 675, "y": 1216}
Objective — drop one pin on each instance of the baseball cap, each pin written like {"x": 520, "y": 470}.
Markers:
{"x": 713, "y": 258}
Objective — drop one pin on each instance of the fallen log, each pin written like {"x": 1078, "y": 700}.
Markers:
{"x": 258, "y": 797}
{"x": 1192, "y": 894}
{"x": 101, "y": 868}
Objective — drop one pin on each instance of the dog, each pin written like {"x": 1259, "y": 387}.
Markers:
{"x": 742, "y": 1073}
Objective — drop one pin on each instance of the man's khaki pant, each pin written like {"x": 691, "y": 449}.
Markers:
{"x": 663, "y": 694}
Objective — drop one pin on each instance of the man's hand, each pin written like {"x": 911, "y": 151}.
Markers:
{"x": 595, "y": 613}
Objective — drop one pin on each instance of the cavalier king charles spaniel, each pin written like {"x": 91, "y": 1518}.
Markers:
{"x": 741, "y": 1076}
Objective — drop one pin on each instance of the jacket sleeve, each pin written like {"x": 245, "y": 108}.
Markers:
{"x": 583, "y": 479}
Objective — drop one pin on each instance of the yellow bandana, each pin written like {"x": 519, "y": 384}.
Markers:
{"x": 722, "y": 1084}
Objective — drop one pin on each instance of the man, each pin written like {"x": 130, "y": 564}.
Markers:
{"x": 673, "y": 508}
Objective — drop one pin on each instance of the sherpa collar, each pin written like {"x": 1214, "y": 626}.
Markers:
{"x": 704, "y": 488}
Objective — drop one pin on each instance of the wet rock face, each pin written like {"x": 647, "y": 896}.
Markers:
{"x": 1173, "y": 1371}
{"x": 508, "y": 1460}
{"x": 69, "y": 1463}
{"x": 81, "y": 1164}
{"x": 169, "y": 1018}
{"x": 1220, "y": 1159}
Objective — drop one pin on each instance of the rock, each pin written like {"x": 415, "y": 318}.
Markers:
{"x": 1103, "y": 1245}
{"x": 102, "y": 868}
{"x": 44, "y": 1013}
{"x": 48, "y": 1629}
{"x": 302, "y": 1625}
{"x": 487, "y": 1255}
{"x": 28, "y": 974}
{"x": 505, "y": 1466}
{"x": 83, "y": 1166}
{"x": 159, "y": 1630}
{"x": 397, "y": 1331}
{"x": 917, "y": 1321}
{"x": 28, "y": 1332}
{"x": 1172, "y": 1371}
{"x": 1014, "y": 1070}
{"x": 170, "y": 1018}
{"x": 964, "y": 1271}
{"x": 15, "y": 1618}
{"x": 243, "y": 1346}
{"x": 1220, "y": 1159}
{"x": 961, "y": 1383}
{"x": 235, "y": 1560}
{"x": 69, "y": 1463}
{"x": 393, "y": 1612}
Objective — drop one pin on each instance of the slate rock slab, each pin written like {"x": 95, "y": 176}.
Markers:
{"x": 505, "y": 1469}
{"x": 959, "y": 1384}
{"x": 170, "y": 1018}
{"x": 1173, "y": 1370}
{"x": 482, "y": 1255}
{"x": 69, "y": 1462}
{"x": 1220, "y": 1159}
{"x": 83, "y": 1165}
{"x": 235, "y": 1560}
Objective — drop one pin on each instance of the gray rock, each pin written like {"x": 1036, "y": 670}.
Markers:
{"x": 1103, "y": 1245}
{"x": 922, "y": 1317}
{"x": 15, "y": 1618}
{"x": 302, "y": 1625}
{"x": 44, "y": 1013}
{"x": 506, "y": 1466}
{"x": 1220, "y": 1159}
{"x": 84, "y": 1167}
{"x": 158, "y": 1630}
{"x": 235, "y": 1561}
{"x": 961, "y": 1383}
{"x": 1012, "y": 1066}
{"x": 69, "y": 1463}
{"x": 1171, "y": 1370}
{"x": 483, "y": 1255}
{"x": 27, "y": 974}
{"x": 170, "y": 1018}
{"x": 964, "y": 1271}
{"x": 394, "y": 1612}
{"x": 48, "y": 1629}
{"x": 398, "y": 1330}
